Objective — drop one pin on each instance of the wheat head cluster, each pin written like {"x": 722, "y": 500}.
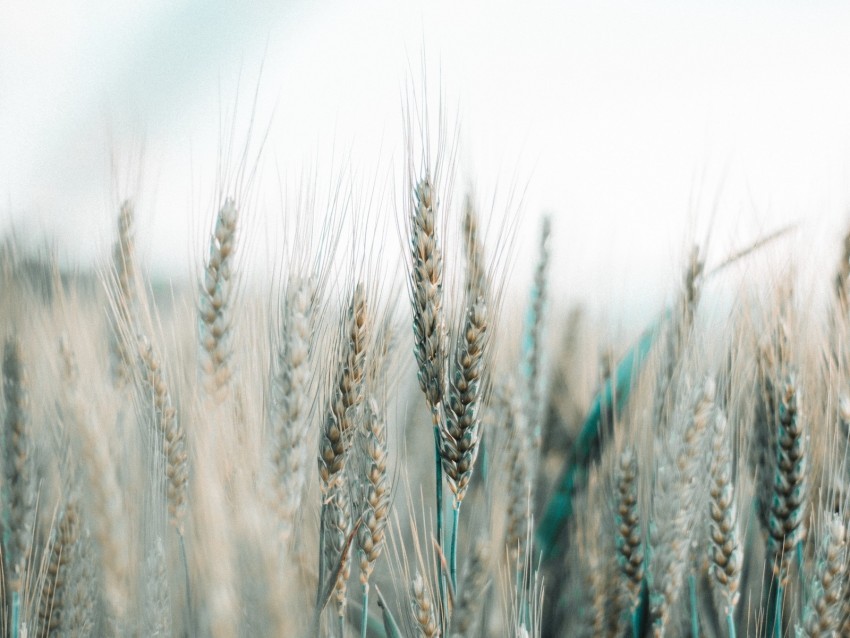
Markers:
{"x": 340, "y": 451}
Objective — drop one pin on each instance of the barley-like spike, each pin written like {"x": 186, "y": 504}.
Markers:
{"x": 18, "y": 495}
{"x": 787, "y": 526}
{"x": 426, "y": 295}
{"x": 630, "y": 554}
{"x": 168, "y": 432}
{"x": 460, "y": 433}
{"x": 725, "y": 551}
{"x": 422, "y": 607}
{"x": 822, "y": 611}
{"x": 215, "y": 304}
{"x": 290, "y": 402}
{"x": 375, "y": 492}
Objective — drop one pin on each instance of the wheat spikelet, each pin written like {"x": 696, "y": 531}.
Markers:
{"x": 460, "y": 433}
{"x": 169, "y": 432}
{"x": 215, "y": 304}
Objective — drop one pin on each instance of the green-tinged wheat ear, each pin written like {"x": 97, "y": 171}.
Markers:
{"x": 54, "y": 602}
{"x": 126, "y": 295}
{"x": 460, "y": 434}
{"x": 376, "y": 491}
{"x": 18, "y": 495}
{"x": 790, "y": 481}
{"x": 426, "y": 295}
{"x": 822, "y": 613}
{"x": 216, "y": 304}
{"x": 472, "y": 593}
{"x": 725, "y": 551}
{"x": 422, "y": 607}
{"x": 630, "y": 553}
{"x": 169, "y": 433}
{"x": 290, "y": 402}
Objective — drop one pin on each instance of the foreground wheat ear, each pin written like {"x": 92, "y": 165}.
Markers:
{"x": 18, "y": 495}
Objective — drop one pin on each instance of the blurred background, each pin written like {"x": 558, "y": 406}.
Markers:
{"x": 640, "y": 129}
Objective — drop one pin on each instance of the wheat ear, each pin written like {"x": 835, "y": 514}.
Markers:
{"x": 124, "y": 316}
{"x": 725, "y": 551}
{"x": 630, "y": 555}
{"x": 169, "y": 432}
{"x": 290, "y": 402}
{"x": 18, "y": 493}
{"x": 341, "y": 423}
{"x": 460, "y": 433}
{"x": 216, "y": 302}
{"x": 422, "y": 607}
{"x": 53, "y": 605}
{"x": 375, "y": 497}
{"x": 823, "y": 608}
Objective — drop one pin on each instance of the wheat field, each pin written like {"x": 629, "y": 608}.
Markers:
{"x": 429, "y": 449}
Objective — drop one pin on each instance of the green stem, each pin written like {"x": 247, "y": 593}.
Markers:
{"x": 692, "y": 589}
{"x": 777, "y": 620}
{"x": 730, "y": 625}
{"x": 365, "y": 616}
{"x": 635, "y": 623}
{"x": 453, "y": 557}
{"x": 341, "y": 619}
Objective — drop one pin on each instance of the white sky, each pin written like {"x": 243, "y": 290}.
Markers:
{"x": 624, "y": 121}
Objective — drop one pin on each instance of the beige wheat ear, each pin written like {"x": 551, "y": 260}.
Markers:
{"x": 216, "y": 304}
{"x": 168, "y": 432}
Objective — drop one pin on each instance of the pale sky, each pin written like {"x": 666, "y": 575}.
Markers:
{"x": 624, "y": 120}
